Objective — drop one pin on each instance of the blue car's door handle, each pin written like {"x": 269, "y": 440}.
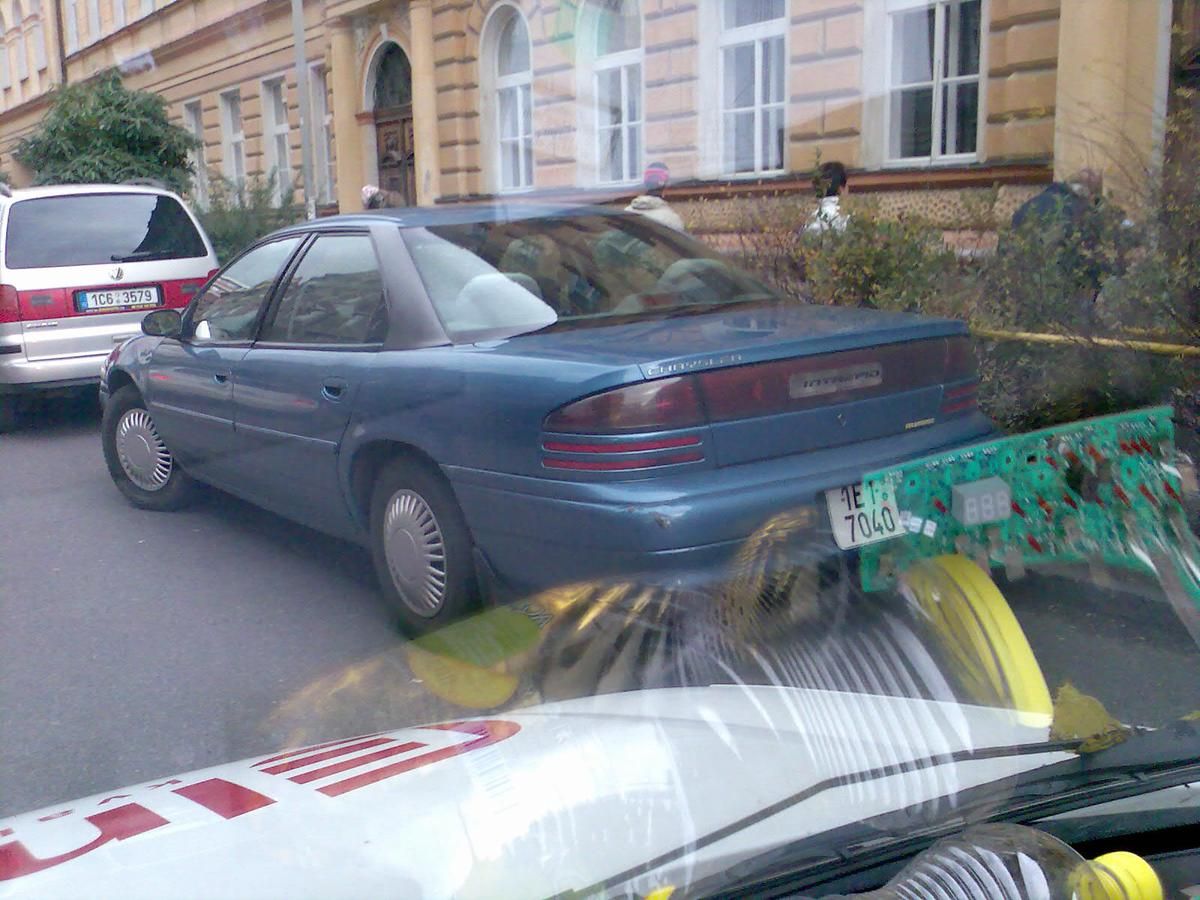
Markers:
{"x": 221, "y": 377}
{"x": 333, "y": 389}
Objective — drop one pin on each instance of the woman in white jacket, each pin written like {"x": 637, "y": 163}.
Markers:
{"x": 832, "y": 185}
{"x": 650, "y": 202}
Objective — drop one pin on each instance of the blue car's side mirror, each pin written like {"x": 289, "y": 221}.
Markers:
{"x": 163, "y": 323}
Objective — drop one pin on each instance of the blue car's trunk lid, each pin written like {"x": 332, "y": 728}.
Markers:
{"x": 780, "y": 379}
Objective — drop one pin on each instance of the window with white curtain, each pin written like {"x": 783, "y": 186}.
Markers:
{"x": 93, "y": 15}
{"x": 753, "y": 63}
{"x": 508, "y": 58}
{"x": 275, "y": 137}
{"x": 617, "y": 72}
{"x": 37, "y": 34}
{"x": 21, "y": 52}
{"x": 933, "y": 80}
{"x": 5, "y": 72}
{"x": 322, "y": 129}
{"x": 119, "y": 13}
{"x": 193, "y": 121}
{"x": 233, "y": 139}
{"x": 71, "y": 24}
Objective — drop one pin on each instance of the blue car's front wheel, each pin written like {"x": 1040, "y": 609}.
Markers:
{"x": 421, "y": 547}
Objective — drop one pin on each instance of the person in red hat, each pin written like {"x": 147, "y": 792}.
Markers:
{"x": 650, "y": 202}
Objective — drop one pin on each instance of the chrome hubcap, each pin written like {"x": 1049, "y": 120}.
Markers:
{"x": 144, "y": 457}
{"x": 415, "y": 553}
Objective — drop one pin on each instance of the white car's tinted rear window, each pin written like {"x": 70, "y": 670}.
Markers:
{"x": 93, "y": 229}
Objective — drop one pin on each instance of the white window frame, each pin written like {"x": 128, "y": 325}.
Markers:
{"x": 624, "y": 61}
{"x": 588, "y": 67}
{"x": 5, "y": 70}
{"x": 233, "y": 141}
{"x": 22, "y": 50}
{"x": 757, "y": 34}
{"x": 880, "y": 49}
{"x": 272, "y": 131}
{"x": 193, "y": 121}
{"x": 496, "y": 85}
{"x": 37, "y": 34}
{"x": 71, "y": 24}
{"x": 93, "y": 15}
{"x": 321, "y": 119}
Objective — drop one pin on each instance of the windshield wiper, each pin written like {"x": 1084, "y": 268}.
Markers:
{"x": 139, "y": 255}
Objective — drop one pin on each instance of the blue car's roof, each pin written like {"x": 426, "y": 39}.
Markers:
{"x": 457, "y": 214}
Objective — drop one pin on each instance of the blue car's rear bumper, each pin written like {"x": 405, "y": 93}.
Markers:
{"x": 540, "y": 532}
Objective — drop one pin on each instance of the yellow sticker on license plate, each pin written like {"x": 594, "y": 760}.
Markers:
{"x": 858, "y": 519}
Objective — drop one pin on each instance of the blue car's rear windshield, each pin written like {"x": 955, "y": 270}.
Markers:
{"x": 567, "y": 271}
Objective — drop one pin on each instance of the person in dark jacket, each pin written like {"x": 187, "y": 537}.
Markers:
{"x": 1063, "y": 202}
{"x": 1066, "y": 216}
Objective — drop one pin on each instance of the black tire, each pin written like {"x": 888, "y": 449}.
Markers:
{"x": 176, "y": 491}
{"x": 435, "y": 592}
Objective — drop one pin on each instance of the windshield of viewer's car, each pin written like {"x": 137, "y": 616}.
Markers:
{"x": 610, "y": 449}
{"x": 99, "y": 229}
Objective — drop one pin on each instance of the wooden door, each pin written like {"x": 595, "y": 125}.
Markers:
{"x": 397, "y": 159}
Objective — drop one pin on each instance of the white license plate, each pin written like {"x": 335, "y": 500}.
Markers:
{"x": 859, "y": 520}
{"x": 121, "y": 298}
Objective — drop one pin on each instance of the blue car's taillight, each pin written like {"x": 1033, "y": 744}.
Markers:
{"x": 593, "y": 434}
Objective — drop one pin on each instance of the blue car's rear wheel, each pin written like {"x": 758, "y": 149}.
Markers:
{"x": 421, "y": 547}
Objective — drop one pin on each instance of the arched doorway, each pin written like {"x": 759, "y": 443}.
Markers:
{"x": 392, "y": 103}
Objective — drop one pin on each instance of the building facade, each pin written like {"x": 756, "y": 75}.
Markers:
{"x": 445, "y": 100}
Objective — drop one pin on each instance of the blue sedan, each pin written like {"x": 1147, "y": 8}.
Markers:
{"x": 497, "y": 399}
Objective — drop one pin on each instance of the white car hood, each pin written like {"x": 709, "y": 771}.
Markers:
{"x": 577, "y": 795}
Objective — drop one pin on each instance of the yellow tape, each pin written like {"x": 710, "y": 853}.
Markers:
{"x": 1034, "y": 337}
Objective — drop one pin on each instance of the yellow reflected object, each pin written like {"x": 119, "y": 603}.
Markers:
{"x": 981, "y": 637}
{"x": 661, "y": 893}
{"x": 459, "y": 682}
{"x": 1117, "y": 876}
{"x": 475, "y": 663}
{"x": 1078, "y": 716}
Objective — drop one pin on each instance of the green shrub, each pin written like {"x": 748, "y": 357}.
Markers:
{"x": 1105, "y": 278}
{"x": 98, "y": 131}
{"x": 238, "y": 215}
{"x": 769, "y": 235}
{"x": 1025, "y": 386}
{"x": 888, "y": 264}
{"x": 899, "y": 264}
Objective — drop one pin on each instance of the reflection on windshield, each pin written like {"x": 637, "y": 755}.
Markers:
{"x": 568, "y": 270}
{"x": 788, "y": 503}
{"x": 921, "y": 700}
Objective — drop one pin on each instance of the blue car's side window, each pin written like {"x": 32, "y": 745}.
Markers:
{"x": 335, "y": 296}
{"x": 229, "y": 309}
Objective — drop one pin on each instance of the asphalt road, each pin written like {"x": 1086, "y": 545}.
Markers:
{"x": 134, "y": 644}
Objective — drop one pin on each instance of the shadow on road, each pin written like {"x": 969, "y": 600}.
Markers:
{"x": 262, "y": 527}
{"x": 44, "y": 417}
